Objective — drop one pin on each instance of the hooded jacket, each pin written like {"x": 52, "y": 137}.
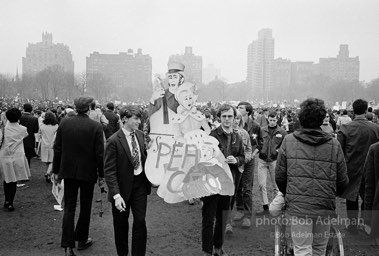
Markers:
{"x": 311, "y": 172}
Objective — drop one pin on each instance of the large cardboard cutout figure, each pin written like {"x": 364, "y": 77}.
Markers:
{"x": 162, "y": 108}
{"x": 189, "y": 164}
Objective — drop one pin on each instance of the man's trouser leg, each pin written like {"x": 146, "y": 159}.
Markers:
{"x": 86, "y": 196}
{"x": 244, "y": 193}
{"x": 237, "y": 176}
{"x": 71, "y": 188}
{"x": 208, "y": 217}
{"x": 321, "y": 234}
{"x": 222, "y": 213}
{"x": 262, "y": 180}
{"x": 302, "y": 237}
{"x": 271, "y": 168}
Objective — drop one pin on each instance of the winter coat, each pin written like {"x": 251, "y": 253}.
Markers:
{"x": 268, "y": 148}
{"x": 234, "y": 149}
{"x": 355, "y": 138}
{"x": 311, "y": 172}
{"x": 254, "y": 131}
{"x": 371, "y": 200}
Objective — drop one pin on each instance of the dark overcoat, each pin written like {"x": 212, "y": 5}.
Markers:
{"x": 113, "y": 123}
{"x": 31, "y": 123}
{"x": 371, "y": 202}
{"x": 355, "y": 138}
{"x": 79, "y": 149}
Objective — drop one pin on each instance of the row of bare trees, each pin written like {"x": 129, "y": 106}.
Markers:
{"x": 315, "y": 86}
{"x": 53, "y": 83}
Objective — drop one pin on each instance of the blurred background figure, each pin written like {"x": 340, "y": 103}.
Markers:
{"x": 48, "y": 131}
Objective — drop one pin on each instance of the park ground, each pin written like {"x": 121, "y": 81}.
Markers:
{"x": 34, "y": 228}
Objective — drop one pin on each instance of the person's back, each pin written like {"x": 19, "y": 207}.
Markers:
{"x": 94, "y": 115}
{"x": 31, "y": 123}
{"x": 356, "y": 138}
{"x": 316, "y": 166}
{"x": 345, "y": 119}
{"x": 48, "y": 134}
{"x": 311, "y": 172}
{"x": 79, "y": 158}
{"x": 113, "y": 121}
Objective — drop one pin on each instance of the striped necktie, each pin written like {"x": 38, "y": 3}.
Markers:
{"x": 135, "y": 153}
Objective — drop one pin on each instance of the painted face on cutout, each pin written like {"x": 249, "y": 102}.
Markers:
{"x": 173, "y": 81}
{"x": 187, "y": 99}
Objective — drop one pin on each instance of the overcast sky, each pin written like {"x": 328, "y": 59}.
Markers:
{"x": 218, "y": 30}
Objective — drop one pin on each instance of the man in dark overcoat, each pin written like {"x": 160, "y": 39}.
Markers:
{"x": 31, "y": 123}
{"x": 371, "y": 170}
{"x": 355, "y": 138}
{"x": 128, "y": 186}
{"x": 78, "y": 159}
{"x": 113, "y": 121}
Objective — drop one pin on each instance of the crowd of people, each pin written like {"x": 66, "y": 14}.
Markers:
{"x": 312, "y": 154}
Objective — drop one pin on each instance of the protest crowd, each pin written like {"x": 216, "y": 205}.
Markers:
{"x": 311, "y": 153}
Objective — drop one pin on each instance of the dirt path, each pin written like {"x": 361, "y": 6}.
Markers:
{"x": 34, "y": 228}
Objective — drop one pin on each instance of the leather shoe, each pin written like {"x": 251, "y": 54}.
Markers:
{"x": 82, "y": 245}
{"x": 219, "y": 252}
{"x": 262, "y": 213}
{"x": 6, "y": 204}
{"x": 10, "y": 208}
{"x": 69, "y": 251}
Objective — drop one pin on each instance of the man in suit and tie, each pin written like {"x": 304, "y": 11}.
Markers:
{"x": 128, "y": 186}
{"x": 78, "y": 159}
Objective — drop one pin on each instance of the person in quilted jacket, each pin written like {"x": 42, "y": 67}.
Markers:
{"x": 311, "y": 172}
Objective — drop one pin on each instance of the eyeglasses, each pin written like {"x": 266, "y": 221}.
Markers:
{"x": 227, "y": 116}
{"x": 327, "y": 116}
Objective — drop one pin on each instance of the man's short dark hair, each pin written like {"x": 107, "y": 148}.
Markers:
{"x": 369, "y": 109}
{"x": 360, "y": 106}
{"x": 312, "y": 113}
{"x": 344, "y": 112}
{"x": 28, "y": 107}
{"x": 226, "y": 107}
{"x": 248, "y": 107}
{"x": 93, "y": 105}
{"x": 110, "y": 106}
{"x": 129, "y": 111}
{"x": 272, "y": 113}
{"x": 13, "y": 115}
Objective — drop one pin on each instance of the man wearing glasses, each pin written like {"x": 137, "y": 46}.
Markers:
{"x": 218, "y": 206}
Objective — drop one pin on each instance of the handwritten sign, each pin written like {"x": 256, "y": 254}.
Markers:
{"x": 188, "y": 170}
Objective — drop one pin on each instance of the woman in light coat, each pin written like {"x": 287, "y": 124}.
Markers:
{"x": 47, "y": 132}
{"x": 13, "y": 163}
